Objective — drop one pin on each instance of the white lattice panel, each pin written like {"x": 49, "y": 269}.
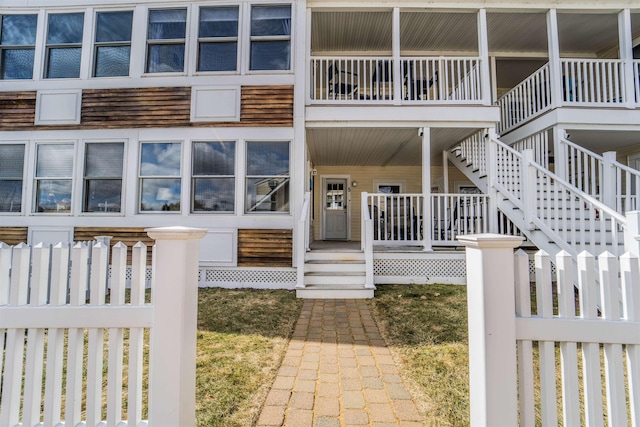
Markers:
{"x": 441, "y": 270}
{"x": 248, "y": 278}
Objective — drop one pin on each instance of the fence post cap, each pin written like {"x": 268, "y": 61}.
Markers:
{"x": 490, "y": 240}
{"x": 176, "y": 233}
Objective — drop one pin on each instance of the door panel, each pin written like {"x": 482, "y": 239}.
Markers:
{"x": 335, "y": 199}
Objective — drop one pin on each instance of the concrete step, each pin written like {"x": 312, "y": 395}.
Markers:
{"x": 339, "y": 279}
{"x": 334, "y": 266}
{"x": 334, "y": 292}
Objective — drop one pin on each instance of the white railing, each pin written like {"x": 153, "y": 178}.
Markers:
{"x": 528, "y": 99}
{"x": 443, "y": 79}
{"x": 53, "y": 307}
{"x": 591, "y": 82}
{"x": 472, "y": 149}
{"x": 367, "y": 240}
{"x": 396, "y": 218}
{"x": 602, "y": 177}
{"x": 539, "y": 143}
{"x": 636, "y": 79}
{"x": 302, "y": 240}
{"x": 507, "y": 386}
{"x": 371, "y": 80}
{"x": 458, "y": 214}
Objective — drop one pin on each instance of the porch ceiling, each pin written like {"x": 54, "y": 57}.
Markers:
{"x": 426, "y": 31}
{"x": 361, "y": 146}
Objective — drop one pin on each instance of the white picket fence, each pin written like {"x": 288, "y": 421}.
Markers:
{"x": 55, "y": 318}
{"x": 589, "y": 346}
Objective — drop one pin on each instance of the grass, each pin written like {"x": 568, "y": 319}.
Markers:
{"x": 242, "y": 337}
{"x": 426, "y": 328}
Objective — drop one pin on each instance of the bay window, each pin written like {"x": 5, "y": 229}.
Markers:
{"x": 112, "y": 43}
{"x": 267, "y": 180}
{"x": 166, "y": 40}
{"x": 17, "y": 46}
{"x": 270, "y": 38}
{"x": 11, "y": 170}
{"x": 64, "y": 45}
{"x": 160, "y": 185}
{"x": 218, "y": 39}
{"x": 213, "y": 176}
{"x": 54, "y": 178}
{"x": 103, "y": 177}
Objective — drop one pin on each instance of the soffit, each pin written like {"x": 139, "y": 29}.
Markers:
{"x": 361, "y": 146}
{"x": 517, "y": 32}
{"x": 351, "y": 31}
{"x": 428, "y": 31}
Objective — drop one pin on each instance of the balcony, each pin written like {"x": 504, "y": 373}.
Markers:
{"x": 594, "y": 83}
{"x": 385, "y": 80}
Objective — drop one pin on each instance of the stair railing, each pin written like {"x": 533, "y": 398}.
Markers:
{"x": 602, "y": 177}
{"x": 302, "y": 240}
{"x": 575, "y": 220}
{"x": 529, "y": 98}
{"x": 367, "y": 241}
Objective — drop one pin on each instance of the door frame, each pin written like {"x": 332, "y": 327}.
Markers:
{"x": 323, "y": 181}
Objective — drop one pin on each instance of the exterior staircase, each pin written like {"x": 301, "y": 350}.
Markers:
{"x": 330, "y": 274}
{"x": 552, "y": 213}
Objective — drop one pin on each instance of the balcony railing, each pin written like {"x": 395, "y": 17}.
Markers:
{"x": 373, "y": 80}
{"x": 598, "y": 83}
{"x": 398, "y": 218}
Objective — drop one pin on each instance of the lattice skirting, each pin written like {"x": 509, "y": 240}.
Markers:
{"x": 248, "y": 278}
{"x": 430, "y": 270}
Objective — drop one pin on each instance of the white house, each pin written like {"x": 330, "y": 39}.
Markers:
{"x": 327, "y": 146}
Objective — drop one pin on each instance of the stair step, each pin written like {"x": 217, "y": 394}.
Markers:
{"x": 324, "y": 292}
{"x": 334, "y": 266}
{"x": 335, "y": 279}
{"x": 345, "y": 256}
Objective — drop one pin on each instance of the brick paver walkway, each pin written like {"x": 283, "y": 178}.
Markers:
{"x": 338, "y": 372}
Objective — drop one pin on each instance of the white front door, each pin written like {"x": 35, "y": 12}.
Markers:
{"x": 335, "y": 199}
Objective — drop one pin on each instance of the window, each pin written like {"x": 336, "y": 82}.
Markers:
{"x": 11, "y": 168}
{"x": 112, "y": 44}
{"x": 213, "y": 182}
{"x": 165, "y": 40}
{"x": 54, "y": 173}
{"x": 160, "y": 177}
{"x": 267, "y": 183}
{"x": 64, "y": 45}
{"x": 218, "y": 39}
{"x": 103, "y": 177}
{"x": 17, "y": 46}
{"x": 270, "y": 37}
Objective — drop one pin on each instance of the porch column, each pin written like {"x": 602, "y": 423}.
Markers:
{"x": 445, "y": 171}
{"x": 395, "y": 46}
{"x": 426, "y": 188}
{"x": 626, "y": 55}
{"x": 555, "y": 66}
{"x": 560, "y": 160}
{"x": 483, "y": 49}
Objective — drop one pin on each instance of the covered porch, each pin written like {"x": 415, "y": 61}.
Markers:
{"x": 394, "y": 179}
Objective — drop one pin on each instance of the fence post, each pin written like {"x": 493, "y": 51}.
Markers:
{"x": 631, "y": 231}
{"x": 172, "y": 353}
{"x": 492, "y": 329}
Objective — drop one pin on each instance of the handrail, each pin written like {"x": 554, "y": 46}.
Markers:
{"x": 302, "y": 239}
{"x": 529, "y": 98}
{"x": 367, "y": 242}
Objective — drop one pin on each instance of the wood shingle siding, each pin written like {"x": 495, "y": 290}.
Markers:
{"x": 126, "y": 235}
{"x": 157, "y": 107}
{"x": 264, "y": 248}
{"x": 17, "y": 110}
{"x": 14, "y": 235}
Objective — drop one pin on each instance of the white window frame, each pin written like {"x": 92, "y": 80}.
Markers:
{"x": 83, "y": 178}
{"x": 238, "y": 39}
{"x": 377, "y": 183}
{"x": 185, "y": 41}
{"x": 82, "y": 45}
{"x": 246, "y": 176}
{"x": 248, "y": 39}
{"x": 95, "y": 44}
{"x": 22, "y": 47}
{"x": 24, "y": 192}
{"x": 37, "y": 179}
{"x": 141, "y": 178}
{"x": 193, "y": 177}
